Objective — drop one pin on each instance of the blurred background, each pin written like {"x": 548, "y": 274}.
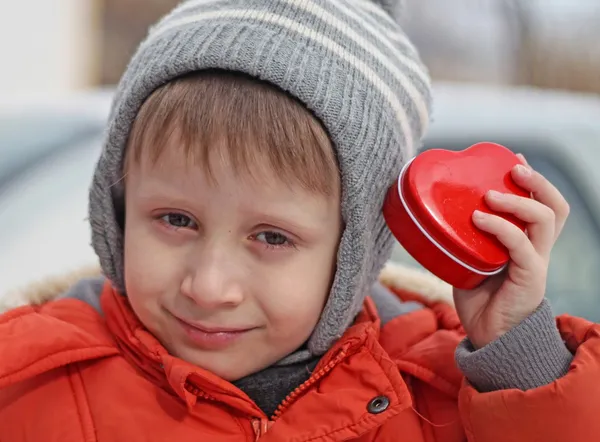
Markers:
{"x": 525, "y": 73}
{"x": 85, "y": 43}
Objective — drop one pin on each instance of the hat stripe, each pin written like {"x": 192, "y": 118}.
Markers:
{"x": 390, "y": 27}
{"x": 400, "y": 76}
{"x": 371, "y": 6}
{"x": 311, "y": 34}
{"x": 329, "y": 19}
{"x": 331, "y": 45}
{"x": 391, "y": 35}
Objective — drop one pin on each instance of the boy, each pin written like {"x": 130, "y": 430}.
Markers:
{"x": 236, "y": 212}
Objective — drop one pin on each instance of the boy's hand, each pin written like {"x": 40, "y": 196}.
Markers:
{"x": 505, "y": 300}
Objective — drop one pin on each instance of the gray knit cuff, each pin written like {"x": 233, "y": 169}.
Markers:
{"x": 529, "y": 356}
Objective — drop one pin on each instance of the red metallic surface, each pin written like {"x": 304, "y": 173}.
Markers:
{"x": 442, "y": 189}
{"x": 421, "y": 249}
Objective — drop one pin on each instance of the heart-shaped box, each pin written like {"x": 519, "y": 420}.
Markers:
{"x": 430, "y": 211}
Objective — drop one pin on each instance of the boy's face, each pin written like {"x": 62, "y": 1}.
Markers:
{"x": 229, "y": 274}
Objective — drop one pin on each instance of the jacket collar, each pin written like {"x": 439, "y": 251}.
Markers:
{"x": 356, "y": 359}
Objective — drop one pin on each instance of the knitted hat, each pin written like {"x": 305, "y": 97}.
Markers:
{"x": 348, "y": 61}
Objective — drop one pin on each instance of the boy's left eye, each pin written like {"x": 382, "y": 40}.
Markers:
{"x": 178, "y": 221}
{"x": 273, "y": 239}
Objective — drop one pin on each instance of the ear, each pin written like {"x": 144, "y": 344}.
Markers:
{"x": 393, "y": 7}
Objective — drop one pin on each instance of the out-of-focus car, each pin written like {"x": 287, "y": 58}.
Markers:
{"x": 43, "y": 207}
{"x": 35, "y": 128}
{"x": 48, "y": 148}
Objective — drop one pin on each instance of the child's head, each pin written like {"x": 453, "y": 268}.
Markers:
{"x": 232, "y": 198}
{"x": 245, "y": 207}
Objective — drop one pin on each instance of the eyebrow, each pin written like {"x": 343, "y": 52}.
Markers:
{"x": 271, "y": 219}
{"x": 151, "y": 192}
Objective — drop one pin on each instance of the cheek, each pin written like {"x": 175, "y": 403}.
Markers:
{"x": 296, "y": 294}
{"x": 151, "y": 269}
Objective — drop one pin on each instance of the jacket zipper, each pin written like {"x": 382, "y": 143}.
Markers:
{"x": 262, "y": 425}
{"x": 197, "y": 392}
{"x": 293, "y": 396}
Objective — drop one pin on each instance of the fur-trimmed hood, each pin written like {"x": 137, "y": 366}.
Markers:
{"x": 394, "y": 275}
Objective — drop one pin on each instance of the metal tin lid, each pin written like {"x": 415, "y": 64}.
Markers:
{"x": 441, "y": 189}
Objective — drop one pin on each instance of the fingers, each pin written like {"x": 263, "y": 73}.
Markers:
{"x": 545, "y": 215}
{"x": 523, "y": 160}
{"x": 544, "y": 192}
{"x": 520, "y": 248}
{"x": 540, "y": 219}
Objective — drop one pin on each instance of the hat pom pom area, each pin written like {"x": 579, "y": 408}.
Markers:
{"x": 394, "y": 8}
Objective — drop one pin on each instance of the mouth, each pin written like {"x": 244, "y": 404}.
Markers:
{"x": 210, "y": 337}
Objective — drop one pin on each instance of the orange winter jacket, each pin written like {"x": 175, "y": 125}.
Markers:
{"x": 69, "y": 374}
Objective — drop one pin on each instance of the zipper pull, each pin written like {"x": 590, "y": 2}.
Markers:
{"x": 260, "y": 427}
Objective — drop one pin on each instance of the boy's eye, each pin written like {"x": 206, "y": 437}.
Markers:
{"x": 178, "y": 220}
{"x": 272, "y": 239}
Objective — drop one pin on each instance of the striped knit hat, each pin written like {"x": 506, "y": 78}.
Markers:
{"x": 347, "y": 60}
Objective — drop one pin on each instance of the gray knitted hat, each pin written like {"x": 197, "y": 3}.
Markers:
{"x": 347, "y": 60}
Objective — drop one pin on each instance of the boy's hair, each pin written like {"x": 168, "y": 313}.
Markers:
{"x": 254, "y": 125}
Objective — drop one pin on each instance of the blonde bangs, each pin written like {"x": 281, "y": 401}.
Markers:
{"x": 255, "y": 126}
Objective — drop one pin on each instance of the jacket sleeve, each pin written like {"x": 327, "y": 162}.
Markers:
{"x": 565, "y": 410}
{"x": 529, "y": 356}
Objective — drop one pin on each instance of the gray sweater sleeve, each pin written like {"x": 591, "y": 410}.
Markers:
{"x": 529, "y": 356}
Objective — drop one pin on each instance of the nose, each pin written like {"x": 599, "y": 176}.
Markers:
{"x": 212, "y": 283}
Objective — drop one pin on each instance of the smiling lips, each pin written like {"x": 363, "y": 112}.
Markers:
{"x": 212, "y": 338}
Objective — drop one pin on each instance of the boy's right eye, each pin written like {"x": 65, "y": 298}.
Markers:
{"x": 178, "y": 221}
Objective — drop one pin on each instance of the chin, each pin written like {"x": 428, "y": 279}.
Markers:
{"x": 224, "y": 370}
{"x": 227, "y": 367}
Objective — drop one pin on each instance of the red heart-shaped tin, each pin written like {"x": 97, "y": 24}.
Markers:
{"x": 430, "y": 210}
